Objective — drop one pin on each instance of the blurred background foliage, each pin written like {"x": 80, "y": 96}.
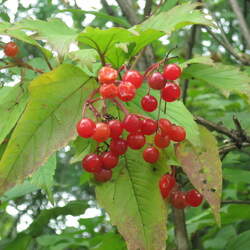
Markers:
{"x": 64, "y": 213}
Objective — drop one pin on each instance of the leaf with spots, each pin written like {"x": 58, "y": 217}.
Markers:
{"x": 133, "y": 201}
{"x": 47, "y": 124}
{"x": 203, "y": 167}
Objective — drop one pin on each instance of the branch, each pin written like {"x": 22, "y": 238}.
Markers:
{"x": 109, "y": 10}
{"x": 242, "y": 23}
{"x": 180, "y": 230}
{"x": 128, "y": 11}
{"x": 235, "y": 202}
{"x": 148, "y": 8}
{"x": 191, "y": 43}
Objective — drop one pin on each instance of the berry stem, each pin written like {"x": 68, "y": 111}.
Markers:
{"x": 85, "y": 105}
{"x": 121, "y": 106}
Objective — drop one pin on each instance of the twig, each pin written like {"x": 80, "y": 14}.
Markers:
{"x": 110, "y": 11}
{"x": 219, "y": 128}
{"x": 121, "y": 106}
{"x": 242, "y": 22}
{"x": 232, "y": 146}
{"x": 235, "y": 202}
{"x": 180, "y": 230}
{"x": 47, "y": 61}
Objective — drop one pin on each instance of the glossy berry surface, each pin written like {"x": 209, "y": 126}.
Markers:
{"x": 108, "y": 90}
{"x": 132, "y": 123}
{"x": 149, "y": 103}
{"x": 177, "y": 133}
{"x": 148, "y": 126}
{"x": 166, "y": 184}
{"x": 165, "y": 126}
{"x": 126, "y": 91}
{"x": 151, "y": 155}
{"x": 178, "y": 199}
{"x": 136, "y": 141}
{"x": 109, "y": 160}
{"x": 103, "y": 175}
{"x": 194, "y": 198}
{"x": 85, "y": 128}
{"x": 102, "y": 132}
{"x": 107, "y": 75}
{"x": 11, "y": 49}
{"x": 171, "y": 92}
{"x": 161, "y": 141}
{"x": 92, "y": 163}
{"x": 171, "y": 72}
{"x": 156, "y": 81}
{"x": 118, "y": 146}
{"x": 134, "y": 77}
{"x": 116, "y": 128}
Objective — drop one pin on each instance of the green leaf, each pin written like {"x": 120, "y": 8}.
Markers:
{"x": 198, "y": 59}
{"x": 134, "y": 203}
{"x": 226, "y": 78}
{"x": 111, "y": 42}
{"x": 54, "y": 31}
{"x": 12, "y": 103}
{"x": 19, "y": 190}
{"x": 241, "y": 241}
{"x": 176, "y": 18}
{"x": 44, "y": 176}
{"x": 202, "y": 165}
{"x": 73, "y": 208}
{"x": 47, "y": 124}
{"x": 114, "y": 19}
{"x": 236, "y": 175}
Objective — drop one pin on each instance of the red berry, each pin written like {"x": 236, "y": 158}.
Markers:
{"x": 126, "y": 91}
{"x": 151, "y": 154}
{"x": 103, "y": 176}
{"x": 156, "y": 81}
{"x": 85, "y": 128}
{"x": 165, "y": 126}
{"x": 171, "y": 72}
{"x": 170, "y": 92}
{"x": 166, "y": 184}
{"x": 148, "y": 126}
{"x": 136, "y": 141}
{"x": 108, "y": 90}
{"x": 149, "y": 103}
{"x": 161, "y": 141}
{"x": 92, "y": 163}
{"x": 178, "y": 199}
{"x": 132, "y": 123}
{"x": 116, "y": 128}
{"x": 177, "y": 133}
{"x": 134, "y": 77}
{"x": 118, "y": 146}
{"x": 102, "y": 132}
{"x": 194, "y": 198}
{"x": 109, "y": 160}
{"x": 107, "y": 75}
{"x": 11, "y": 49}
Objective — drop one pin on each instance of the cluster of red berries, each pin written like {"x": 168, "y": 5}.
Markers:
{"x": 11, "y": 49}
{"x": 179, "y": 199}
{"x": 137, "y": 126}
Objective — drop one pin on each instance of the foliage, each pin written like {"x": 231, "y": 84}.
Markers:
{"x": 40, "y": 153}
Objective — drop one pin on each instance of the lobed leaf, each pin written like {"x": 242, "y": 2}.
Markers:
{"x": 202, "y": 165}
{"x": 47, "y": 124}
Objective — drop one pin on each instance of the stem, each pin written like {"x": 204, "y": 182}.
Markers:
{"x": 121, "y": 106}
{"x": 235, "y": 202}
{"x": 90, "y": 97}
{"x": 180, "y": 229}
